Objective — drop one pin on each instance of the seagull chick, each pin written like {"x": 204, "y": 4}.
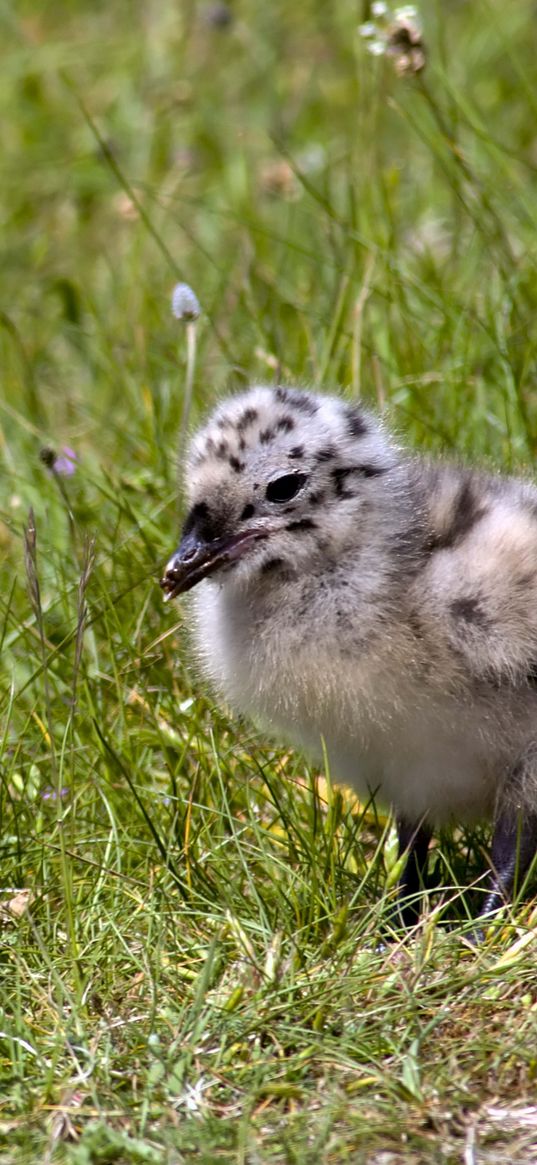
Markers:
{"x": 373, "y": 606}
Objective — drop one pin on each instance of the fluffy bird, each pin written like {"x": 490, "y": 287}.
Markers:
{"x": 354, "y": 597}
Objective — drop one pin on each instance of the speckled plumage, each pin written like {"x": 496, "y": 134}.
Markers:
{"x": 358, "y": 597}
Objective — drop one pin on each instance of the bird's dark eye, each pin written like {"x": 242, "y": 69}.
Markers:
{"x": 284, "y": 488}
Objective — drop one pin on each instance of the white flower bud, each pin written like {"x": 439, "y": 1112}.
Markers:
{"x": 185, "y": 303}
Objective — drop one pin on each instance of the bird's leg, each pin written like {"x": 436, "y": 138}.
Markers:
{"x": 414, "y": 841}
{"x": 514, "y": 845}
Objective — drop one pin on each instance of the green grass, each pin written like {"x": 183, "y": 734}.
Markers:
{"x": 190, "y": 955}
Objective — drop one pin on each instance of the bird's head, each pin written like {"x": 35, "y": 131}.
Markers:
{"x": 278, "y": 480}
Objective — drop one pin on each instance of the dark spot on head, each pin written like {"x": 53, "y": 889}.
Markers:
{"x": 285, "y": 424}
{"x": 196, "y": 515}
{"x": 296, "y": 400}
{"x": 316, "y": 499}
{"x": 326, "y": 454}
{"x": 339, "y": 477}
{"x": 467, "y": 510}
{"x": 242, "y": 444}
{"x": 199, "y": 519}
{"x": 342, "y": 472}
{"x": 256, "y": 485}
{"x": 222, "y": 450}
{"x": 470, "y": 610}
{"x": 371, "y": 470}
{"x": 224, "y": 423}
{"x": 247, "y": 418}
{"x": 356, "y": 422}
{"x": 248, "y": 512}
{"x": 266, "y": 435}
{"x": 296, "y": 452}
{"x": 271, "y": 564}
{"x": 301, "y": 524}
{"x": 282, "y": 394}
{"x": 236, "y": 465}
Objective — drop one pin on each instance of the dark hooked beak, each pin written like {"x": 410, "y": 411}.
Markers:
{"x": 196, "y": 559}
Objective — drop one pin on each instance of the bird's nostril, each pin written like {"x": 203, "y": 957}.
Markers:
{"x": 188, "y": 555}
{"x": 174, "y": 565}
{"x": 248, "y": 512}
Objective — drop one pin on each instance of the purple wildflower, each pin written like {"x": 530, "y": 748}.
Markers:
{"x": 65, "y": 465}
{"x": 50, "y": 794}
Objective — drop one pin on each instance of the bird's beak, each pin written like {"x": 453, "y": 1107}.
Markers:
{"x": 195, "y": 559}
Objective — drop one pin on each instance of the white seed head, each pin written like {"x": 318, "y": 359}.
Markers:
{"x": 185, "y": 303}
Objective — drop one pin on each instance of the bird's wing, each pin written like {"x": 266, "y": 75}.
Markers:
{"x": 480, "y": 581}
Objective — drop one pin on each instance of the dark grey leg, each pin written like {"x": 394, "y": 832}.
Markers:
{"x": 414, "y": 840}
{"x": 514, "y": 845}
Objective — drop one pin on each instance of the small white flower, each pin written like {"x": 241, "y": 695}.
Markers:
{"x": 185, "y": 303}
{"x": 193, "y": 1096}
{"x": 367, "y": 30}
{"x": 379, "y": 9}
{"x": 406, "y": 12}
{"x": 376, "y": 48}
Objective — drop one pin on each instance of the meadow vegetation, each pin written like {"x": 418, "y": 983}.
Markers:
{"x": 190, "y": 961}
